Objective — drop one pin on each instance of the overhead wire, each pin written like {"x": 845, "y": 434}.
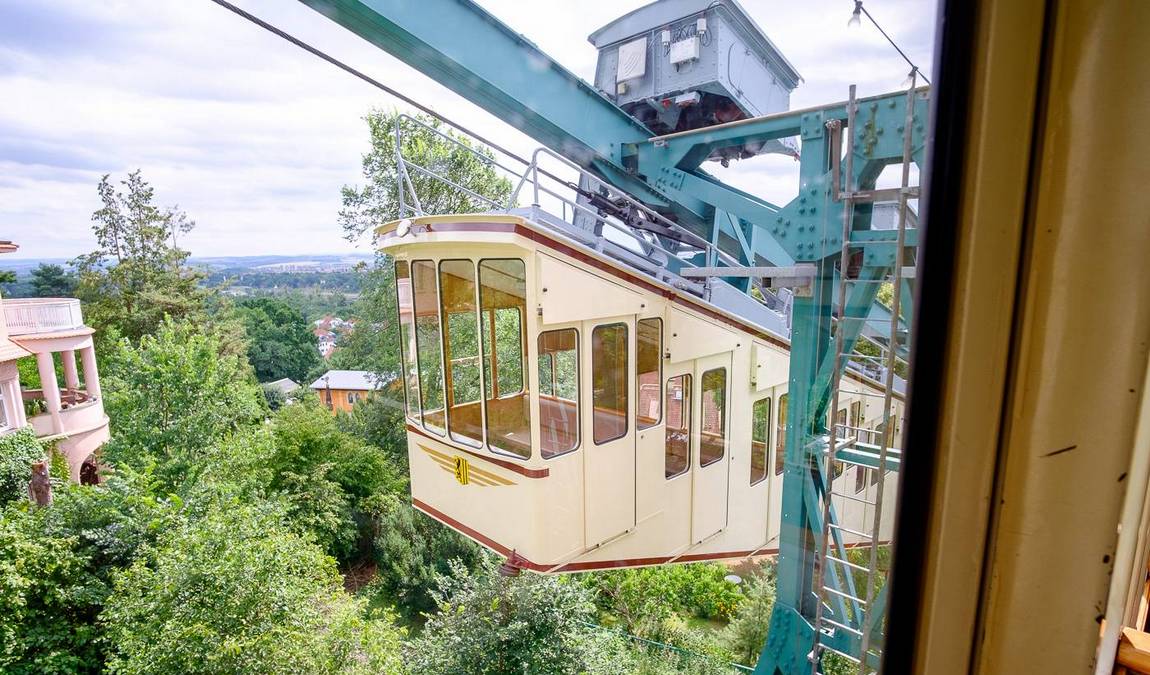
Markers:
{"x": 365, "y": 77}
{"x": 860, "y": 7}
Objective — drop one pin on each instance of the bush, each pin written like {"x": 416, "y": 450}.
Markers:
{"x": 643, "y": 598}
{"x": 17, "y": 452}
{"x": 238, "y": 592}
{"x": 48, "y": 599}
{"x": 526, "y": 624}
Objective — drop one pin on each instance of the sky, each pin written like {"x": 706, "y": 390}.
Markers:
{"x": 254, "y": 138}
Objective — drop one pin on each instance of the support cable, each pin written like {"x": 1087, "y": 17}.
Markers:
{"x": 363, "y": 76}
{"x": 860, "y": 8}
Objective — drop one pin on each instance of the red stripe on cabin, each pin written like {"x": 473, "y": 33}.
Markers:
{"x": 510, "y": 466}
{"x": 576, "y": 567}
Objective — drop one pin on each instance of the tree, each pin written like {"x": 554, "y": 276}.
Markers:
{"x": 746, "y": 635}
{"x": 377, "y": 202}
{"x": 7, "y": 277}
{"x": 18, "y": 450}
{"x": 280, "y": 341}
{"x": 52, "y": 281}
{"x": 238, "y": 592}
{"x": 526, "y": 624}
{"x": 137, "y": 274}
{"x": 174, "y": 395}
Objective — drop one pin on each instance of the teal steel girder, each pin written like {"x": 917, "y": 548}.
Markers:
{"x": 463, "y": 47}
{"x": 808, "y": 228}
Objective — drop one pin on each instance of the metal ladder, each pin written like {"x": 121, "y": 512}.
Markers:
{"x": 851, "y": 607}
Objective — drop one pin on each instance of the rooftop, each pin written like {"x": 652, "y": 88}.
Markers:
{"x": 355, "y": 380}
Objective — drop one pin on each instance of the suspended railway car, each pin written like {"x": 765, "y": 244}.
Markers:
{"x": 572, "y": 413}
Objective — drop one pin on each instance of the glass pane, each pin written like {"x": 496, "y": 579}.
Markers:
{"x": 678, "y": 447}
{"x": 760, "y": 436}
{"x": 461, "y": 347}
{"x": 712, "y": 437}
{"x": 559, "y": 406}
{"x": 428, "y": 346}
{"x": 609, "y": 382}
{"x": 503, "y": 296}
{"x": 547, "y": 374}
{"x": 781, "y": 435}
{"x": 407, "y": 337}
{"x": 649, "y": 364}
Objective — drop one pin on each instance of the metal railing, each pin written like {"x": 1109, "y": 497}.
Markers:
{"x": 644, "y": 237}
{"x": 26, "y": 316}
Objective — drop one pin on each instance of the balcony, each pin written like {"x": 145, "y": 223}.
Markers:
{"x": 29, "y": 316}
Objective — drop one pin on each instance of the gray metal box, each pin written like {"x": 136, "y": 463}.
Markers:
{"x": 688, "y": 64}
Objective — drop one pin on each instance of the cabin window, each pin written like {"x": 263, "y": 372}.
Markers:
{"x": 678, "y": 446}
{"x": 503, "y": 301}
{"x": 781, "y": 436}
{"x": 860, "y": 478}
{"x": 856, "y": 416}
{"x": 713, "y": 421}
{"x": 760, "y": 438}
{"x": 649, "y": 364}
{"x": 609, "y": 382}
{"x": 461, "y": 350}
{"x": 428, "y": 347}
{"x": 407, "y": 337}
{"x": 558, "y": 392}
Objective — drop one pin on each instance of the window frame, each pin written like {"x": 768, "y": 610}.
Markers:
{"x": 723, "y": 413}
{"x": 639, "y": 426}
{"x": 525, "y": 378}
{"x": 448, "y": 377}
{"x": 416, "y": 414}
{"x": 766, "y": 442}
{"x": 686, "y": 412}
{"x": 555, "y": 388}
{"x": 418, "y": 364}
{"x": 780, "y": 416}
{"x": 626, "y": 407}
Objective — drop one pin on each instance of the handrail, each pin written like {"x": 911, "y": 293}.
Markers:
{"x": 648, "y": 245}
{"x": 26, "y": 316}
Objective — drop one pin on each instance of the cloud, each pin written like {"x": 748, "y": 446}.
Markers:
{"x": 254, "y": 138}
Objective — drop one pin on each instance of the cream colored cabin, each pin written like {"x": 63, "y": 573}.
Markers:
{"x": 575, "y": 414}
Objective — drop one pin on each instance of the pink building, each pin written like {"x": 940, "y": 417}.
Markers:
{"x": 69, "y": 413}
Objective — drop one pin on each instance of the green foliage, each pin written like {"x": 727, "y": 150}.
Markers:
{"x": 526, "y": 624}
{"x": 333, "y": 482}
{"x": 52, "y": 281}
{"x": 643, "y": 599}
{"x": 411, "y": 552}
{"x": 373, "y": 344}
{"x": 48, "y": 599}
{"x": 379, "y": 421}
{"x": 173, "y": 396}
{"x": 18, "y": 449}
{"x": 274, "y": 397}
{"x": 137, "y": 274}
{"x": 745, "y": 636}
{"x": 280, "y": 340}
{"x": 376, "y": 202}
{"x": 239, "y": 592}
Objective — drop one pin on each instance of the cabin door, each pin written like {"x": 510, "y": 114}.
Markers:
{"x": 711, "y": 453}
{"x": 609, "y": 429}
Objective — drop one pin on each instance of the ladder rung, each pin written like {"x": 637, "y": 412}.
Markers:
{"x": 847, "y": 563}
{"x": 848, "y": 629}
{"x": 850, "y": 658}
{"x": 853, "y": 498}
{"x": 848, "y": 530}
{"x": 845, "y": 595}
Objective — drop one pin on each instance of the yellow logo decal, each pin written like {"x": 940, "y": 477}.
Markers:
{"x": 462, "y": 470}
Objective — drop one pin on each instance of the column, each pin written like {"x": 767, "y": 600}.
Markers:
{"x": 51, "y": 389}
{"x": 16, "y": 395}
{"x": 91, "y": 377}
{"x": 71, "y": 378}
